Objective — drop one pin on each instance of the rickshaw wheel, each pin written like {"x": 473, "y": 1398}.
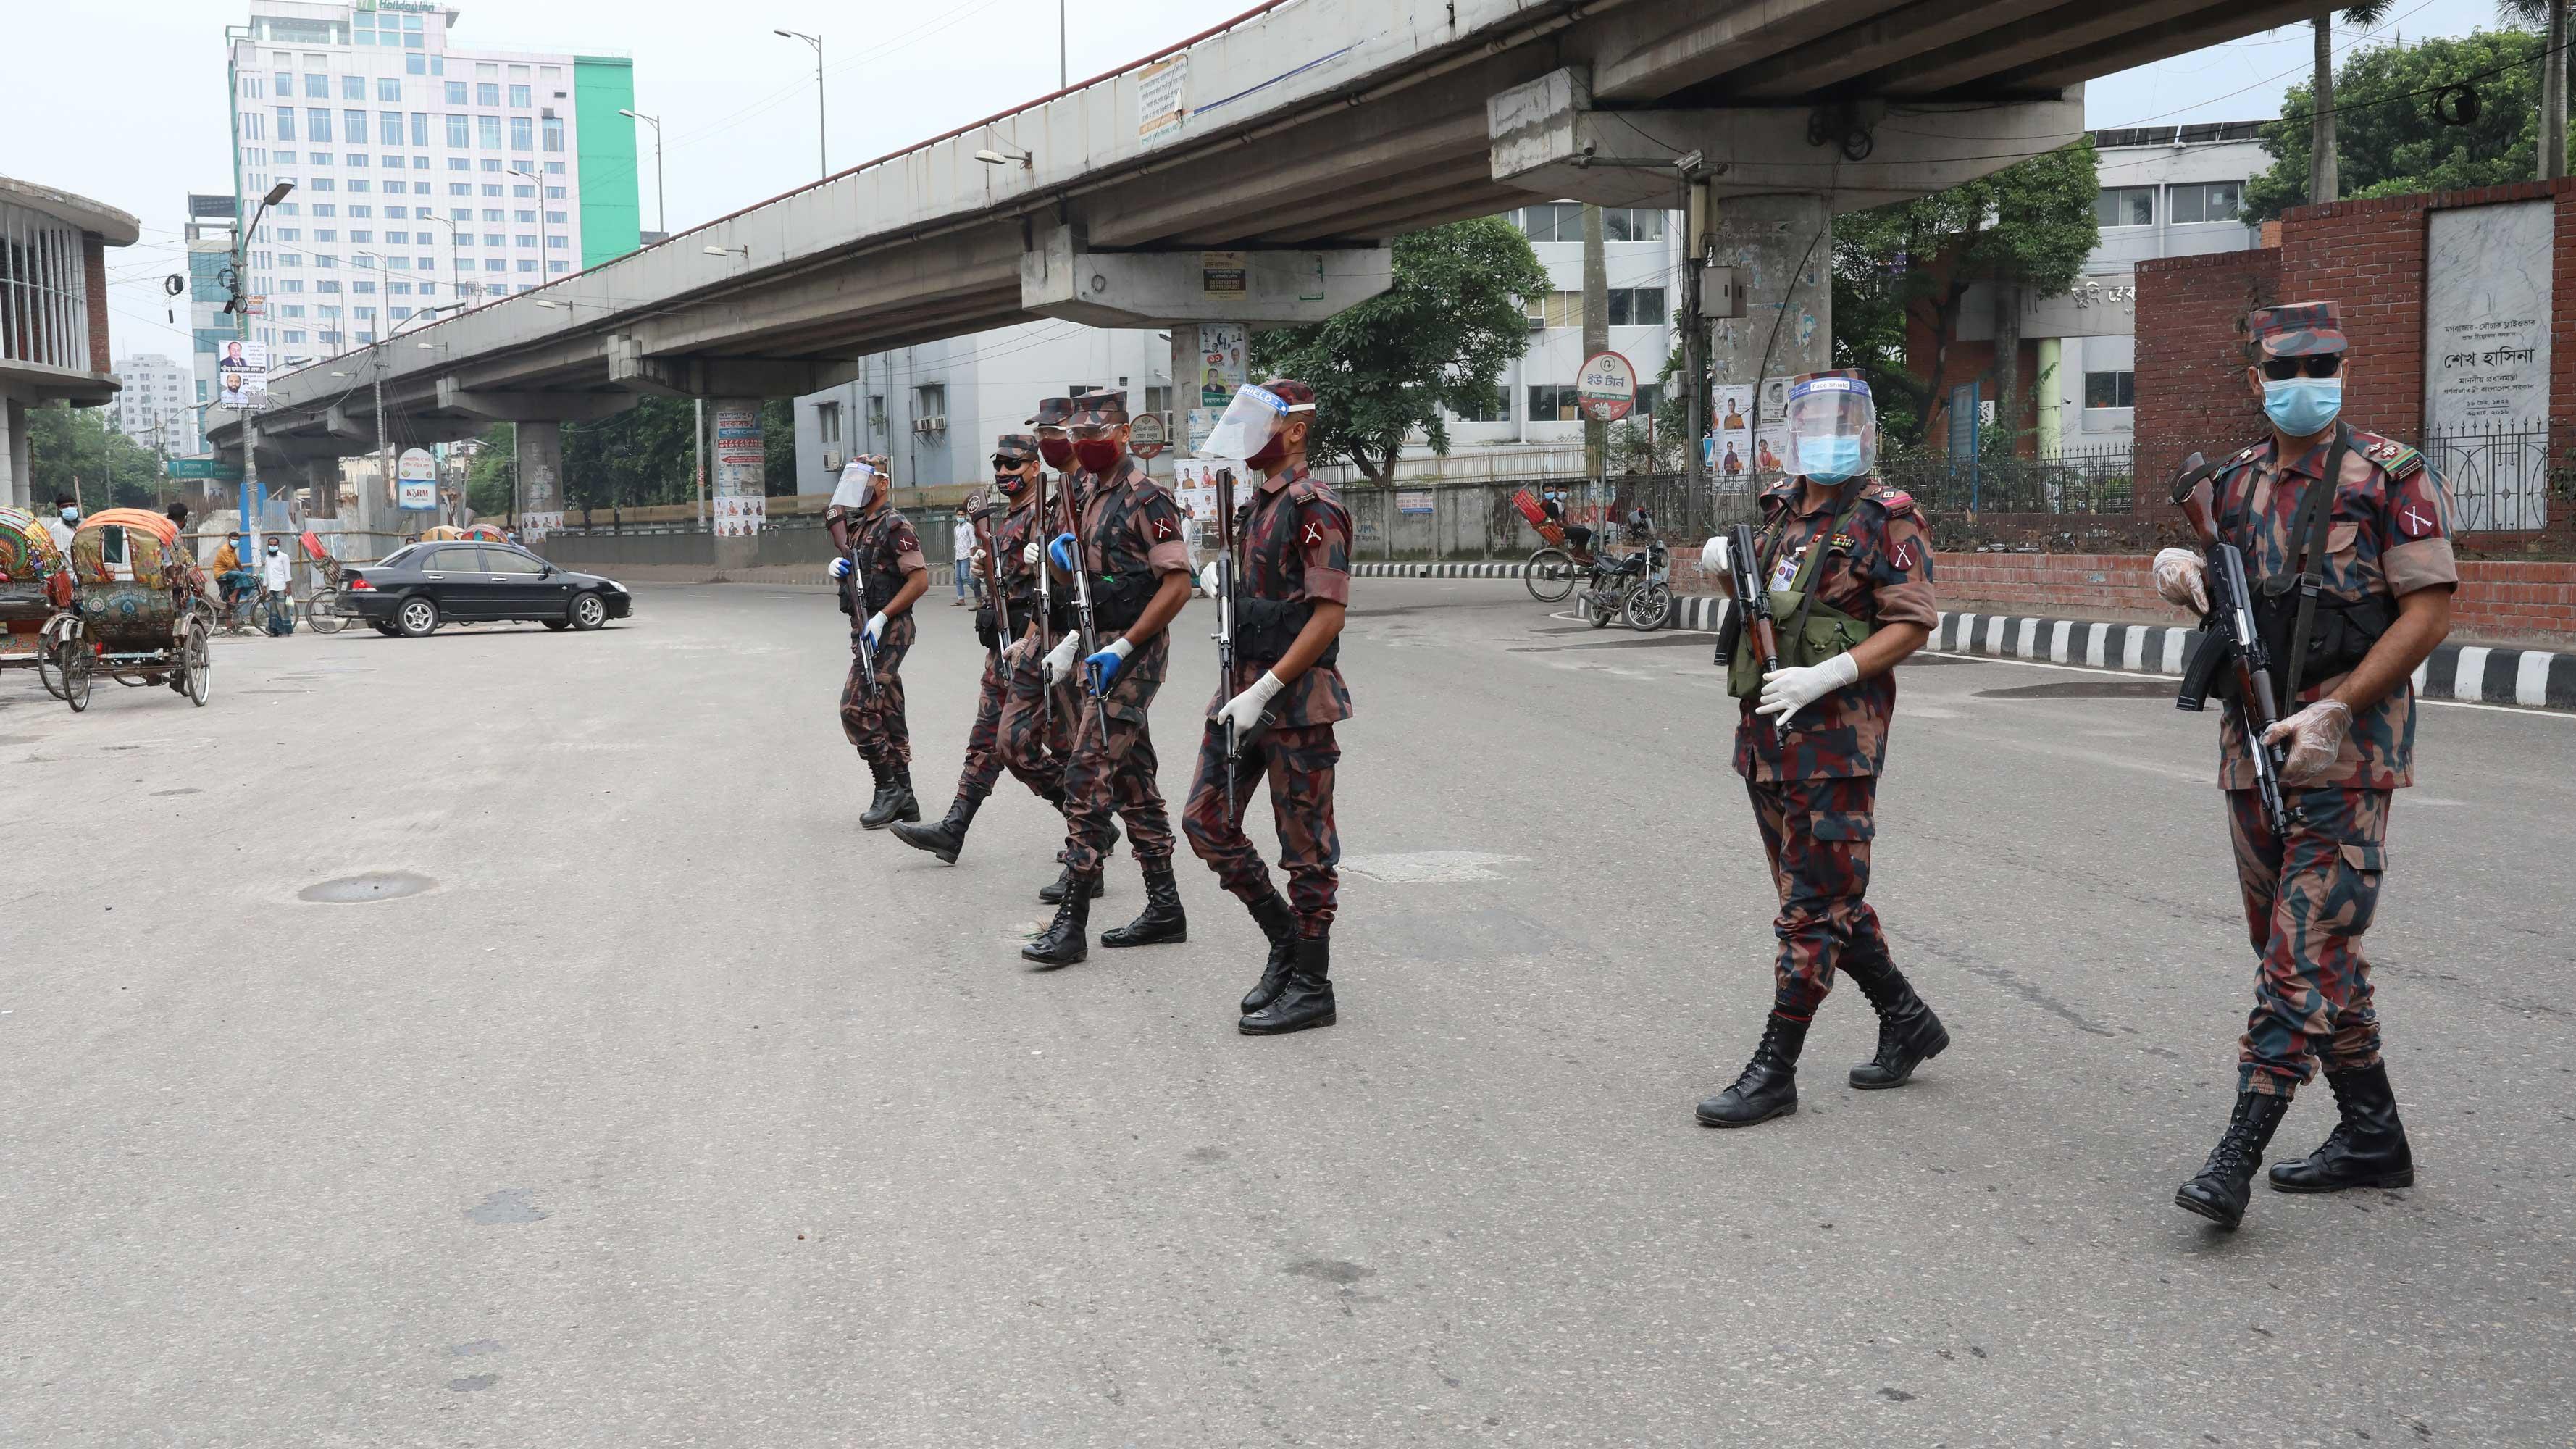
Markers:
{"x": 77, "y": 664}
{"x": 1549, "y": 576}
{"x": 49, "y": 671}
{"x": 199, "y": 661}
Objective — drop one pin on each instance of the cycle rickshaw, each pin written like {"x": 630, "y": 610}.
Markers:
{"x": 138, "y": 611}
{"x": 35, "y": 584}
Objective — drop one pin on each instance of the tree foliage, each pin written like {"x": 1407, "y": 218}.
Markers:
{"x": 1441, "y": 336}
{"x": 68, "y": 444}
{"x": 2029, "y": 225}
{"x": 2388, "y": 141}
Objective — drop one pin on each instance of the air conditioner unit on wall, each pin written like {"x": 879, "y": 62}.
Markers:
{"x": 933, "y": 424}
{"x": 831, "y": 462}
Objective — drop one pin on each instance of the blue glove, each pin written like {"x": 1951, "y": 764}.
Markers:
{"x": 874, "y": 628}
{"x": 1103, "y": 667}
{"x": 1061, "y": 550}
{"x": 840, "y": 568}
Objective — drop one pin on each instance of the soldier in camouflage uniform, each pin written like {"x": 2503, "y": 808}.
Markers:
{"x": 1849, "y": 564}
{"x": 1285, "y": 696}
{"x": 882, "y": 572}
{"x": 1005, "y": 520}
{"x": 1127, "y": 540}
{"x": 2374, "y": 543}
{"x": 1038, "y": 718}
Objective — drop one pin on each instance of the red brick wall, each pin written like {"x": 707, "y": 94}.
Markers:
{"x": 94, "y": 267}
{"x": 2529, "y": 602}
{"x": 2191, "y": 353}
{"x": 2366, "y": 256}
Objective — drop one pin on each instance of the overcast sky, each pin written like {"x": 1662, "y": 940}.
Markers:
{"x": 126, "y": 104}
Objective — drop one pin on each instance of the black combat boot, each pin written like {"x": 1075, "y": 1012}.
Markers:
{"x": 1307, "y": 999}
{"x": 1161, "y": 923}
{"x": 876, "y": 801}
{"x": 1279, "y": 924}
{"x": 947, "y": 837}
{"x": 2225, "y": 1181}
{"x": 1769, "y": 1086}
{"x": 1067, "y": 939}
{"x": 897, "y": 802}
{"x": 1050, "y": 894}
{"x": 2366, "y": 1149}
{"x": 1908, "y": 1033}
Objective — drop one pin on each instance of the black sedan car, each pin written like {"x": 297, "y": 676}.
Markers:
{"x": 414, "y": 589}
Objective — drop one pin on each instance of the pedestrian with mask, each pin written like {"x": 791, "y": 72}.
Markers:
{"x": 63, "y": 524}
{"x": 2347, "y": 542}
{"x": 1038, "y": 719}
{"x": 1292, "y": 584}
{"x": 1848, "y": 563}
{"x": 881, "y": 572}
{"x": 1127, "y": 542}
{"x": 1008, "y": 519}
{"x": 277, "y": 584}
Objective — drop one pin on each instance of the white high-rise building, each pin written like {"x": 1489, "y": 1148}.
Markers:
{"x": 426, "y": 173}
{"x": 154, "y": 405}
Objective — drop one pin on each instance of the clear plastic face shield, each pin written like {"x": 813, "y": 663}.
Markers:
{"x": 1833, "y": 429}
{"x": 857, "y": 488}
{"x": 1248, "y": 422}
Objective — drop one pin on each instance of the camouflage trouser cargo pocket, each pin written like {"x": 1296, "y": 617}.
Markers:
{"x": 2308, "y": 898}
{"x": 1817, "y": 834}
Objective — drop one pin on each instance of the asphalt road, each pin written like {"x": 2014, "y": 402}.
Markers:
{"x": 675, "y": 1110}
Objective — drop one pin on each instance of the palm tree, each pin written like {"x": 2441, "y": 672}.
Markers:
{"x": 2550, "y": 17}
{"x": 2323, "y": 183}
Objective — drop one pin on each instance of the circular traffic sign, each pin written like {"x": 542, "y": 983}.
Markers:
{"x": 1606, "y": 390}
{"x": 1145, "y": 434}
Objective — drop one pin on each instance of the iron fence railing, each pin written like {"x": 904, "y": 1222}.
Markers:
{"x": 2502, "y": 480}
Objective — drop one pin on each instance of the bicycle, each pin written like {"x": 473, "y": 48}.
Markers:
{"x": 320, "y": 606}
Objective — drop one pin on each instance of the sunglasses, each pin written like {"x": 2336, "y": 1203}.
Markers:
{"x": 2318, "y": 364}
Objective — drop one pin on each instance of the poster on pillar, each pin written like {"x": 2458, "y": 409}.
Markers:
{"x": 1221, "y": 362}
{"x": 739, "y": 507}
{"x": 1731, "y": 436}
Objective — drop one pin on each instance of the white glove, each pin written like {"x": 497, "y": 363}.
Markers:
{"x": 975, "y": 560}
{"x": 2316, "y": 736}
{"x": 1060, "y": 661}
{"x": 1208, "y": 578}
{"x": 1716, "y": 555}
{"x": 840, "y": 568}
{"x": 874, "y": 628}
{"x": 1244, "y": 710}
{"x": 2183, "y": 578}
{"x": 1029, "y": 555}
{"x": 1787, "y": 691}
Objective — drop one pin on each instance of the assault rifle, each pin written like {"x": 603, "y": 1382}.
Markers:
{"x": 854, "y": 602}
{"x": 2229, "y": 641}
{"x": 1083, "y": 630}
{"x": 984, "y": 540}
{"x": 1228, "y": 580}
{"x": 1043, "y": 530}
{"x": 1752, "y": 601}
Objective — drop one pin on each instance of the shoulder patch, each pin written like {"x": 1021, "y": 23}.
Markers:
{"x": 1897, "y": 502}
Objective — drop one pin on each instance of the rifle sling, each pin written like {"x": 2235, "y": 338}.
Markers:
{"x": 2316, "y": 514}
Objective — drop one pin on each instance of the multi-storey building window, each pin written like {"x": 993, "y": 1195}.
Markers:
{"x": 523, "y": 134}
{"x": 455, "y": 93}
{"x": 353, "y": 88}
{"x": 420, "y": 129}
{"x": 519, "y": 96}
{"x": 487, "y": 132}
{"x": 317, "y": 87}
{"x": 554, "y": 133}
{"x": 353, "y": 125}
{"x": 286, "y": 123}
{"x": 317, "y": 124}
{"x": 486, "y": 94}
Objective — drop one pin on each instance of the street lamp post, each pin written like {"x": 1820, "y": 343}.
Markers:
{"x": 240, "y": 304}
{"x": 822, "y": 149}
{"x": 661, "y": 193}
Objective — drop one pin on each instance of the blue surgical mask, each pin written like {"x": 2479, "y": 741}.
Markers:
{"x": 1829, "y": 459}
{"x": 2300, "y": 406}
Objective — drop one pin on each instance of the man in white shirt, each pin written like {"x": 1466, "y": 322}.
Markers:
{"x": 962, "y": 536}
{"x": 66, "y": 516}
{"x": 277, "y": 577}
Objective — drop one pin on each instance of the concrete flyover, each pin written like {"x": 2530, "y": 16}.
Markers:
{"x": 1305, "y": 134}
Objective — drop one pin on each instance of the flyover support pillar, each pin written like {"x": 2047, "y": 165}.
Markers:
{"x": 1782, "y": 249}
{"x": 17, "y": 484}
{"x": 540, "y": 491}
{"x": 740, "y": 502}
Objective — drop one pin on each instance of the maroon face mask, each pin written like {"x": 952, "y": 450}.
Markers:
{"x": 1098, "y": 455}
{"x": 1271, "y": 454}
{"x": 1056, "y": 451}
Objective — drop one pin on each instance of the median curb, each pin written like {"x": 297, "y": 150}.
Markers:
{"x": 2475, "y": 673}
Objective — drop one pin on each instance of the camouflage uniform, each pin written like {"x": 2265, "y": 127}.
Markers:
{"x": 1037, "y": 731}
{"x": 1295, "y": 539}
{"x": 2309, "y": 898}
{"x": 1007, "y": 533}
{"x": 1130, "y": 536}
{"x": 1814, "y": 783}
{"x": 883, "y": 550}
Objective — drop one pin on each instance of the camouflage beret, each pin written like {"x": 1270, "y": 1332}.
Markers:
{"x": 1016, "y": 447}
{"x": 1053, "y": 412}
{"x": 2297, "y": 329}
{"x": 1100, "y": 410}
{"x": 1290, "y": 391}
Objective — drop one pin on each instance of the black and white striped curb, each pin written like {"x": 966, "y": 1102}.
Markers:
{"x": 1438, "y": 570}
{"x": 2535, "y": 678}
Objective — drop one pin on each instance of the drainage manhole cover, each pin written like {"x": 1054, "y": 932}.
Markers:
{"x": 375, "y": 885}
{"x": 2088, "y": 689}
